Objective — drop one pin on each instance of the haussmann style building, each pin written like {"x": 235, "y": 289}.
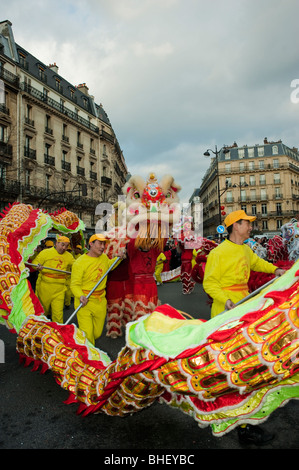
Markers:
{"x": 262, "y": 179}
{"x": 57, "y": 146}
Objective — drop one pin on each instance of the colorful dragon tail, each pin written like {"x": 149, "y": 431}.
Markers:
{"x": 236, "y": 368}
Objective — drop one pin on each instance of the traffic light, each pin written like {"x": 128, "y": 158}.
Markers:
{"x": 222, "y": 210}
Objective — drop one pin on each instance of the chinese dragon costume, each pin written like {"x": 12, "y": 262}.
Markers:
{"x": 235, "y": 368}
{"x": 142, "y": 224}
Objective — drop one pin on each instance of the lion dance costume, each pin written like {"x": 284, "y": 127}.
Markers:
{"x": 236, "y": 368}
{"x": 144, "y": 223}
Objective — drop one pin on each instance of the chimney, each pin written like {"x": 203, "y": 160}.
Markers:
{"x": 265, "y": 140}
{"x": 83, "y": 88}
{"x": 54, "y": 67}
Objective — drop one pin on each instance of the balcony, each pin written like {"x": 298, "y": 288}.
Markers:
{"x": 29, "y": 121}
{"x": 49, "y": 160}
{"x": 48, "y": 130}
{"x": 65, "y": 165}
{"x": 4, "y": 109}
{"x": 5, "y": 150}
{"x": 80, "y": 171}
{"x": 106, "y": 180}
{"x": 30, "y": 153}
{"x": 106, "y": 136}
{"x": 58, "y": 106}
{"x": 9, "y": 77}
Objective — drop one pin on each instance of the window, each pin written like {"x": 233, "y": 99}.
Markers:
{"x": 251, "y": 165}
{"x": 275, "y": 163}
{"x": 252, "y": 180}
{"x": 48, "y": 178}
{"x": 262, "y": 179}
{"x": 64, "y": 185}
{"x": 243, "y": 207}
{"x": 241, "y": 153}
{"x": 261, "y": 164}
{"x": 253, "y": 209}
{"x": 45, "y": 94}
{"x": 3, "y": 133}
{"x": 229, "y": 197}
{"x": 263, "y": 194}
{"x": 64, "y": 130}
{"x": 242, "y": 166}
{"x": 64, "y": 153}
{"x": 265, "y": 224}
{"x": 252, "y": 195}
{"x": 264, "y": 209}
{"x": 41, "y": 74}
{"x": 276, "y": 178}
{"x": 227, "y": 168}
{"x": 27, "y": 178}
{"x": 2, "y": 173}
{"x": 228, "y": 182}
{"x": 275, "y": 150}
{"x": 47, "y": 149}
{"x": 27, "y": 142}
{"x": 278, "y": 208}
{"x": 250, "y": 152}
{"x": 243, "y": 194}
{"x": 261, "y": 151}
{"x": 278, "y": 224}
{"x": 277, "y": 193}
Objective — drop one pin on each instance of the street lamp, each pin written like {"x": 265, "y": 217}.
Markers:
{"x": 217, "y": 153}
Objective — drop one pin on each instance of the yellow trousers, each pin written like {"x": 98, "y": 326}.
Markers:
{"x": 91, "y": 318}
{"x": 51, "y": 296}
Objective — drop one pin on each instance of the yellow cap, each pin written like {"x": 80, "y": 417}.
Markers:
{"x": 98, "y": 236}
{"x": 62, "y": 239}
{"x": 79, "y": 246}
{"x": 237, "y": 215}
{"x": 49, "y": 243}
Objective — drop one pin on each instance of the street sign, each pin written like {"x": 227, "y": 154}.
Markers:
{"x": 220, "y": 229}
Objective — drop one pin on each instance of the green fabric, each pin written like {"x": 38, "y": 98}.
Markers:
{"x": 174, "y": 342}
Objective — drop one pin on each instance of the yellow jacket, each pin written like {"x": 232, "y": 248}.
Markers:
{"x": 87, "y": 271}
{"x": 227, "y": 273}
{"x": 51, "y": 258}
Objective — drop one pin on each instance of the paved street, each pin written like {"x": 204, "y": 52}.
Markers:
{"x": 33, "y": 415}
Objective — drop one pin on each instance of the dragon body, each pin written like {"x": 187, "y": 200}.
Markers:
{"x": 235, "y": 368}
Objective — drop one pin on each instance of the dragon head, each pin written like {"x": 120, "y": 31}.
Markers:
{"x": 151, "y": 209}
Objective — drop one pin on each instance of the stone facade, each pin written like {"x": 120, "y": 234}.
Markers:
{"x": 57, "y": 146}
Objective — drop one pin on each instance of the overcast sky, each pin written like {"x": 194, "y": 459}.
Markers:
{"x": 175, "y": 76}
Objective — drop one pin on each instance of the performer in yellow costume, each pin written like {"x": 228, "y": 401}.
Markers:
{"x": 228, "y": 266}
{"x": 87, "y": 271}
{"x": 159, "y": 268}
{"x": 51, "y": 287}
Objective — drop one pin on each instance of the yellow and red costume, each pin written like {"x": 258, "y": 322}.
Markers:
{"x": 227, "y": 273}
{"x": 52, "y": 286}
{"x": 86, "y": 272}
